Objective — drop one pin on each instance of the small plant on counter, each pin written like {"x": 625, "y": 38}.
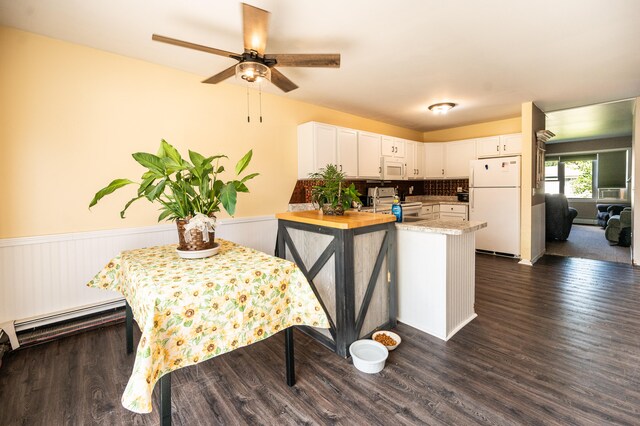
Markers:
{"x": 332, "y": 195}
{"x": 184, "y": 190}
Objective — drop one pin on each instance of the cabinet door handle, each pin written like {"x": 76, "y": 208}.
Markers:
{"x": 340, "y": 167}
{"x": 497, "y": 148}
{"x": 504, "y": 148}
{"x": 380, "y": 169}
{"x": 443, "y": 171}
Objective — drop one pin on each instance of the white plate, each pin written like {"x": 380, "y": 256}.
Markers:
{"x": 199, "y": 254}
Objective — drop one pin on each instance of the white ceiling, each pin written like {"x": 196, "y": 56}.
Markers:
{"x": 397, "y": 57}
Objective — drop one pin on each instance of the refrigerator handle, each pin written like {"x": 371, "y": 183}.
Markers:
{"x": 471, "y": 197}
{"x": 471, "y": 176}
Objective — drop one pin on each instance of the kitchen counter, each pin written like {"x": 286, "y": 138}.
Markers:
{"x": 350, "y": 263}
{"x": 350, "y": 220}
{"x": 436, "y": 274}
{"x": 431, "y": 199}
{"x": 442, "y": 226}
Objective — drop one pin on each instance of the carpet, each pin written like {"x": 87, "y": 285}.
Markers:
{"x": 588, "y": 242}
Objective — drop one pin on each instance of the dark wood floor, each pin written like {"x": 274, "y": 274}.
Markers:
{"x": 558, "y": 343}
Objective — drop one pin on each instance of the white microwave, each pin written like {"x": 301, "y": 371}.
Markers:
{"x": 391, "y": 169}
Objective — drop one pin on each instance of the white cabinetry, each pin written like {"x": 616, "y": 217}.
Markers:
{"x": 454, "y": 211}
{"x": 511, "y": 144}
{"x": 496, "y": 146}
{"x": 434, "y": 160}
{"x": 369, "y": 155}
{"x": 488, "y": 147}
{"x": 317, "y": 147}
{"x": 414, "y": 163}
{"x": 430, "y": 211}
{"x": 348, "y": 152}
{"x": 392, "y": 147}
{"x": 457, "y": 156}
{"x": 321, "y": 144}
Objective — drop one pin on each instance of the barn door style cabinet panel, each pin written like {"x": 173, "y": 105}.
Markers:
{"x": 350, "y": 264}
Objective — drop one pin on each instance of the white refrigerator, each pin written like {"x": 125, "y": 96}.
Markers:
{"x": 494, "y": 197}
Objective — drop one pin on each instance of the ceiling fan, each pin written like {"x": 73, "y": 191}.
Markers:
{"x": 254, "y": 65}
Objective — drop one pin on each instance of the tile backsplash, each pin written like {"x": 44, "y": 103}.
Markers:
{"x": 442, "y": 187}
{"x": 445, "y": 187}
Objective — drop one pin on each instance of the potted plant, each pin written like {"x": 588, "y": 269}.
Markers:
{"x": 188, "y": 192}
{"x": 332, "y": 195}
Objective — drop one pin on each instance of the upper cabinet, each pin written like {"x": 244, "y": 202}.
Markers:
{"x": 321, "y": 144}
{"x": 488, "y": 147}
{"x": 358, "y": 154}
{"x": 496, "y": 146}
{"x": 434, "y": 160}
{"x": 348, "y": 152}
{"x": 511, "y": 144}
{"x": 369, "y": 155}
{"x": 393, "y": 147}
{"x": 317, "y": 147}
{"x": 457, "y": 156}
{"x": 414, "y": 160}
{"x": 448, "y": 160}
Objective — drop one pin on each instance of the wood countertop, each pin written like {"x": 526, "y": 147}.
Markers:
{"x": 350, "y": 220}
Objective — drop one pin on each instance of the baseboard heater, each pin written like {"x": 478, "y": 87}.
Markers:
{"x": 43, "y": 329}
{"x": 497, "y": 253}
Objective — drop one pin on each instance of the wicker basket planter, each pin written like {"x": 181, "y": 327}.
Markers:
{"x": 333, "y": 211}
{"x": 197, "y": 241}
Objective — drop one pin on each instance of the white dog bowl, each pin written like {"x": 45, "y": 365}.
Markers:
{"x": 368, "y": 355}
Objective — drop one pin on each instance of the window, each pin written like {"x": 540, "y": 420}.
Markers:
{"x": 551, "y": 182}
{"x": 578, "y": 179}
{"x": 572, "y": 175}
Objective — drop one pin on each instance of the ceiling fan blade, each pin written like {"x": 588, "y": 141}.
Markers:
{"x": 282, "y": 82}
{"x": 329, "y": 60}
{"x": 229, "y": 72}
{"x": 194, "y": 46}
{"x": 255, "y": 26}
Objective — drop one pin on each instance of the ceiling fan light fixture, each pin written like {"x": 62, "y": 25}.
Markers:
{"x": 253, "y": 72}
{"x": 441, "y": 108}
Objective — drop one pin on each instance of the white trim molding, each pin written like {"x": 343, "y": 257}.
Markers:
{"x": 43, "y": 278}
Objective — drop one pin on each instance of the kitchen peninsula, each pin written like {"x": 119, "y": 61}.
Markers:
{"x": 350, "y": 263}
{"x": 436, "y": 275}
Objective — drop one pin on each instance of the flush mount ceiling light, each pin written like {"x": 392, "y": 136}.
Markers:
{"x": 253, "y": 72}
{"x": 441, "y": 108}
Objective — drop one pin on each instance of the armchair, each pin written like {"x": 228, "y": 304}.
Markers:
{"x": 606, "y": 211}
{"x": 559, "y": 217}
{"x": 619, "y": 229}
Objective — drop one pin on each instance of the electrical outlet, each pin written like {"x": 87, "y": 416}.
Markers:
{"x": 459, "y": 189}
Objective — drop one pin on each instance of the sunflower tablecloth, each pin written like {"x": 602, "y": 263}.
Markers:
{"x": 193, "y": 310}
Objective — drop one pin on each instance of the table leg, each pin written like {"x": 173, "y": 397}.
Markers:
{"x": 129, "y": 328}
{"x": 165, "y": 400}
{"x": 288, "y": 348}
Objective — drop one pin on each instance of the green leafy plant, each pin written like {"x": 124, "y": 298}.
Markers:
{"x": 183, "y": 188}
{"x": 332, "y": 191}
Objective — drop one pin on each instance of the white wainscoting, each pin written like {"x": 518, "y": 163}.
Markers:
{"x": 538, "y": 231}
{"x": 43, "y": 278}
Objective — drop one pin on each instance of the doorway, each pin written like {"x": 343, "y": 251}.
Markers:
{"x": 589, "y": 164}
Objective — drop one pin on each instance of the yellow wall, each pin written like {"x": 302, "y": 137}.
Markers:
{"x": 70, "y": 117}
{"x": 480, "y": 130}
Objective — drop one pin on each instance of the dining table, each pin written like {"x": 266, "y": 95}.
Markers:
{"x": 192, "y": 310}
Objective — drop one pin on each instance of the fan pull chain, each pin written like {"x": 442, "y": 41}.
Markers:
{"x": 248, "y": 113}
{"x": 260, "y": 94}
